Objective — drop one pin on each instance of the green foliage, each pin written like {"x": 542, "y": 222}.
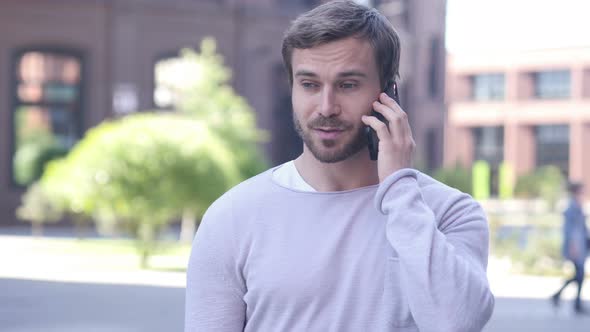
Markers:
{"x": 33, "y": 154}
{"x": 141, "y": 171}
{"x": 505, "y": 181}
{"x": 539, "y": 254}
{"x": 456, "y": 177}
{"x": 546, "y": 183}
{"x": 526, "y": 186}
{"x": 37, "y": 207}
{"x": 550, "y": 184}
{"x": 203, "y": 91}
{"x": 481, "y": 180}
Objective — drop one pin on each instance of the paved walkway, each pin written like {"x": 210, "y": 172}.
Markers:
{"x": 36, "y": 296}
{"x": 53, "y": 306}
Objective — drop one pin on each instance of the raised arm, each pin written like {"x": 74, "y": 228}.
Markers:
{"x": 442, "y": 254}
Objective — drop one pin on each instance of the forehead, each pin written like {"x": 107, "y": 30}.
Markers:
{"x": 337, "y": 56}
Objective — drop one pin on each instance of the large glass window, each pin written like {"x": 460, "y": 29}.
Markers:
{"x": 172, "y": 72}
{"x": 489, "y": 144}
{"x": 488, "y": 87}
{"x": 396, "y": 10}
{"x": 47, "y": 107}
{"x": 554, "y": 84}
{"x": 164, "y": 97}
{"x": 553, "y": 146}
{"x": 434, "y": 67}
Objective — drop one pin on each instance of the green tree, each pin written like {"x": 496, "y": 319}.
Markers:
{"x": 550, "y": 185}
{"x": 142, "y": 171}
{"x": 38, "y": 208}
{"x": 32, "y": 155}
{"x": 545, "y": 182}
{"x": 457, "y": 177}
{"x": 199, "y": 85}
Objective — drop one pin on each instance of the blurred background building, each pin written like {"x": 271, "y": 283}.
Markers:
{"x": 528, "y": 109}
{"x": 67, "y": 65}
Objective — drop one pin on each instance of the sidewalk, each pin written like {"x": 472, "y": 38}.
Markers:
{"x": 20, "y": 263}
{"x": 66, "y": 294}
{"x": 20, "y": 260}
{"x": 506, "y": 284}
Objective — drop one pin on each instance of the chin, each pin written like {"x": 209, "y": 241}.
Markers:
{"x": 336, "y": 153}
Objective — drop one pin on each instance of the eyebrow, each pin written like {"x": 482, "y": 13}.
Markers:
{"x": 351, "y": 73}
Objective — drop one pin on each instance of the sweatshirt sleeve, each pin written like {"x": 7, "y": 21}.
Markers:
{"x": 215, "y": 287}
{"x": 443, "y": 264}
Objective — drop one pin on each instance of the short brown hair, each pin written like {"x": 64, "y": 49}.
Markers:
{"x": 341, "y": 19}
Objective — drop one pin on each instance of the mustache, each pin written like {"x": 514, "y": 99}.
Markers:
{"x": 324, "y": 122}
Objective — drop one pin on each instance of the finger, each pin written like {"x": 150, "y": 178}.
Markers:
{"x": 385, "y": 99}
{"x": 379, "y": 126}
{"x": 397, "y": 120}
{"x": 393, "y": 105}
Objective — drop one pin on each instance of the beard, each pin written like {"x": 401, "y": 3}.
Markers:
{"x": 326, "y": 150}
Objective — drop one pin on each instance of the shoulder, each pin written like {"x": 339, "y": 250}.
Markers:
{"x": 247, "y": 195}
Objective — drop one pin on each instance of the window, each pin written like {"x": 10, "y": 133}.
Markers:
{"x": 553, "y": 146}
{"x": 173, "y": 73}
{"x": 46, "y": 109}
{"x": 433, "y": 145}
{"x": 489, "y": 144}
{"x": 434, "y": 68}
{"x": 553, "y": 84}
{"x": 398, "y": 11}
{"x": 488, "y": 87}
{"x": 164, "y": 71}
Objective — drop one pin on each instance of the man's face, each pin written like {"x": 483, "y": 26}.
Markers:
{"x": 334, "y": 84}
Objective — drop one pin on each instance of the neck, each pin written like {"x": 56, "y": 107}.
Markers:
{"x": 355, "y": 172}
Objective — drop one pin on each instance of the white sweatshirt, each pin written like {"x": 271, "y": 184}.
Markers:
{"x": 409, "y": 254}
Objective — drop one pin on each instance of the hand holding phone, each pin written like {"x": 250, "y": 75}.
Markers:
{"x": 372, "y": 138}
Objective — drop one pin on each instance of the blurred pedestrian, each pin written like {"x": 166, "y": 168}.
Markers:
{"x": 575, "y": 243}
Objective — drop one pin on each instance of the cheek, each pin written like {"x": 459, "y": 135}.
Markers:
{"x": 360, "y": 106}
{"x": 302, "y": 105}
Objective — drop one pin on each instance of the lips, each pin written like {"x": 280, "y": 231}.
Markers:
{"x": 329, "y": 129}
{"x": 328, "y": 133}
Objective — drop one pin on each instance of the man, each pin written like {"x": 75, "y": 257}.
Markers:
{"x": 334, "y": 241}
{"x": 575, "y": 243}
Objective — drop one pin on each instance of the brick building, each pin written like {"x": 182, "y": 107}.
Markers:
{"x": 529, "y": 109}
{"x": 69, "y": 64}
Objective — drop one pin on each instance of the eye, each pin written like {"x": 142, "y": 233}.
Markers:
{"x": 348, "y": 85}
{"x": 309, "y": 85}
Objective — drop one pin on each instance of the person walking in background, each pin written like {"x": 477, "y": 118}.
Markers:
{"x": 575, "y": 243}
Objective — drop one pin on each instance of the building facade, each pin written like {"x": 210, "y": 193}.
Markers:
{"x": 528, "y": 109}
{"x": 66, "y": 65}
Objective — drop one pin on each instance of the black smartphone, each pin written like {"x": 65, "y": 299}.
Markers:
{"x": 372, "y": 138}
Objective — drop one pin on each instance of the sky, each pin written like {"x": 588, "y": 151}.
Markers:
{"x": 500, "y": 25}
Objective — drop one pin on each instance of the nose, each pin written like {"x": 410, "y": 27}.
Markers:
{"x": 328, "y": 104}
